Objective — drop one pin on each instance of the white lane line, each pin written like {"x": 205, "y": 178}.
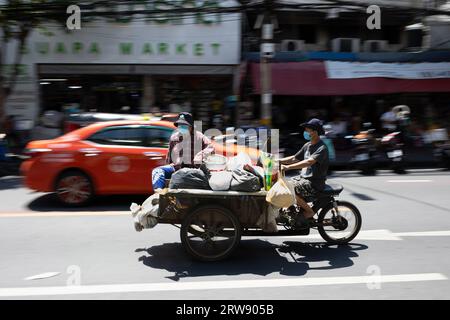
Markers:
{"x": 377, "y": 235}
{"x": 63, "y": 214}
{"x": 215, "y": 285}
{"x": 42, "y": 276}
{"x": 424, "y": 234}
{"x": 385, "y": 235}
{"x": 409, "y": 181}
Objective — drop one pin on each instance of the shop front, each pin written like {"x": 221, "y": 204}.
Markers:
{"x": 357, "y": 92}
{"x": 133, "y": 67}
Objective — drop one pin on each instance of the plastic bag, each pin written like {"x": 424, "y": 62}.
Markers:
{"x": 220, "y": 181}
{"x": 282, "y": 194}
{"x": 216, "y": 162}
{"x": 245, "y": 181}
{"x": 239, "y": 161}
{"x": 188, "y": 178}
{"x": 257, "y": 171}
{"x": 145, "y": 216}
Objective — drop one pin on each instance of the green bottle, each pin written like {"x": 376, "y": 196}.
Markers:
{"x": 268, "y": 167}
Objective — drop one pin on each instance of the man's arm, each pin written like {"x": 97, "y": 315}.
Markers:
{"x": 319, "y": 155}
{"x": 207, "y": 149}
{"x": 169, "y": 152}
{"x": 294, "y": 158}
{"x": 169, "y": 159}
{"x": 287, "y": 160}
{"x": 299, "y": 165}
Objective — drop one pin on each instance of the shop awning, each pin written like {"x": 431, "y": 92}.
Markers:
{"x": 142, "y": 69}
{"x": 310, "y": 79}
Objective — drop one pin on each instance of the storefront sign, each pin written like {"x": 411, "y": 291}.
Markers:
{"x": 354, "y": 70}
{"x": 148, "y": 49}
{"x": 205, "y": 39}
{"x": 166, "y": 39}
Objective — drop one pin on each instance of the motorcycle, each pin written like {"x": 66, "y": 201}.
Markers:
{"x": 393, "y": 146}
{"x": 338, "y": 222}
{"x": 364, "y": 150}
{"x": 441, "y": 148}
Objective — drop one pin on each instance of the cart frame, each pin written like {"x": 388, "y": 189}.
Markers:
{"x": 201, "y": 213}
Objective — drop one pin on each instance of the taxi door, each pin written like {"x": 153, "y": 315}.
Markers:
{"x": 120, "y": 160}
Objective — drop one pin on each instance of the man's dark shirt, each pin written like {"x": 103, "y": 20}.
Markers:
{"x": 317, "y": 173}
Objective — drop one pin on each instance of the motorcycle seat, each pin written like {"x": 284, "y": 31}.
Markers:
{"x": 332, "y": 189}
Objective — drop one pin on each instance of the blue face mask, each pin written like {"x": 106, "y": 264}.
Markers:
{"x": 306, "y": 135}
{"x": 183, "y": 129}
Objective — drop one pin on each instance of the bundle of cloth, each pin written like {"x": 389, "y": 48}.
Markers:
{"x": 238, "y": 175}
{"x": 146, "y": 215}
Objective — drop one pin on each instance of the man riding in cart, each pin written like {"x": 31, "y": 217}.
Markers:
{"x": 313, "y": 160}
{"x": 187, "y": 149}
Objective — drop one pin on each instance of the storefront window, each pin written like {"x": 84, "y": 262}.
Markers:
{"x": 98, "y": 93}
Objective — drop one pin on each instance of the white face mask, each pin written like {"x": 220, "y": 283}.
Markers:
{"x": 183, "y": 129}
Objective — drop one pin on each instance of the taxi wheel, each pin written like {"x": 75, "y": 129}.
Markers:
{"x": 74, "y": 188}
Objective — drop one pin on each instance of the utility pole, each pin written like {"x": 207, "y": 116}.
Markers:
{"x": 267, "y": 52}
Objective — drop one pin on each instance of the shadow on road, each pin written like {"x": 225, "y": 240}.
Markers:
{"x": 11, "y": 182}
{"x": 253, "y": 257}
{"x": 49, "y": 202}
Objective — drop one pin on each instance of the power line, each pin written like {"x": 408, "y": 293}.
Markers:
{"x": 95, "y": 8}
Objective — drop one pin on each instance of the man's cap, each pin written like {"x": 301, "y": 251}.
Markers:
{"x": 185, "y": 118}
{"x": 314, "y": 124}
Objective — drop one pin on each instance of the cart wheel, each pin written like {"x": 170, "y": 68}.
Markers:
{"x": 210, "y": 233}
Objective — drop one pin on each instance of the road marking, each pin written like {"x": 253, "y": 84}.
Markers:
{"x": 42, "y": 276}
{"x": 377, "y": 235}
{"x": 409, "y": 181}
{"x": 216, "y": 285}
{"x": 63, "y": 214}
{"x": 424, "y": 234}
{"x": 362, "y": 235}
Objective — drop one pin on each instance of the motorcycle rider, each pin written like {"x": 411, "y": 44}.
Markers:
{"x": 313, "y": 159}
{"x": 389, "y": 120}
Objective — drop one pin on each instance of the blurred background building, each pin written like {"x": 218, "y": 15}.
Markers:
{"x": 138, "y": 64}
{"x": 327, "y": 63}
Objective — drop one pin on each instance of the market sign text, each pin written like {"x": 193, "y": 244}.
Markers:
{"x": 128, "y": 48}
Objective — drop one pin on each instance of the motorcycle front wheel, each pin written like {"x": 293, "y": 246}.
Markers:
{"x": 339, "y": 225}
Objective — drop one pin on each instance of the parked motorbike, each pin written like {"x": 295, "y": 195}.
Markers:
{"x": 393, "y": 146}
{"x": 364, "y": 150}
{"x": 441, "y": 148}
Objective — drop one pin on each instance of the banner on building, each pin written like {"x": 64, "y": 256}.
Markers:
{"x": 355, "y": 70}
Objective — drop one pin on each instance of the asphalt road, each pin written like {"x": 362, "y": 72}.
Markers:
{"x": 95, "y": 253}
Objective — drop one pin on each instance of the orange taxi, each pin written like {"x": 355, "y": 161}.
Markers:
{"x": 103, "y": 158}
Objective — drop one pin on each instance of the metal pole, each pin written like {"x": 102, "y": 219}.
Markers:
{"x": 267, "y": 52}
